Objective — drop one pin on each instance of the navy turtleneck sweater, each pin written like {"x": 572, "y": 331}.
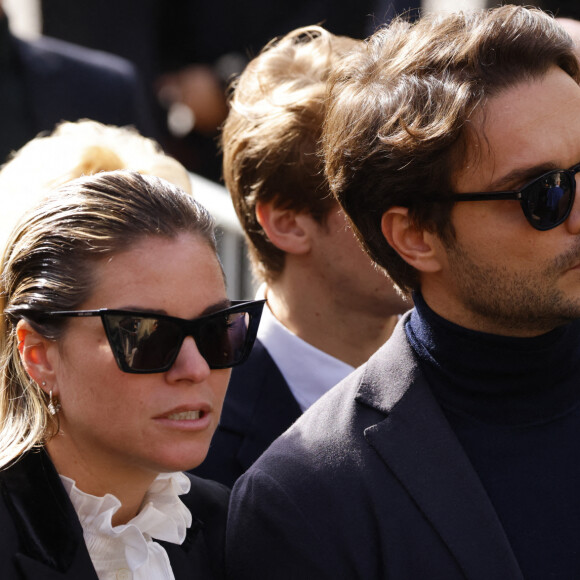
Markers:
{"x": 514, "y": 405}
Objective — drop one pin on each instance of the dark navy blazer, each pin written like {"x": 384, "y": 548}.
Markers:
{"x": 258, "y": 407}
{"x": 68, "y": 82}
{"x": 370, "y": 483}
{"x": 41, "y": 537}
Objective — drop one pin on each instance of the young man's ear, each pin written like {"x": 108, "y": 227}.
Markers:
{"x": 34, "y": 353}
{"x": 417, "y": 247}
{"x": 287, "y": 229}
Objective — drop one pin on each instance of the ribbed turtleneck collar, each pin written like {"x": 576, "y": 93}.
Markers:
{"x": 497, "y": 379}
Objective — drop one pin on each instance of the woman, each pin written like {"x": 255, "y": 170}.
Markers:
{"x": 117, "y": 344}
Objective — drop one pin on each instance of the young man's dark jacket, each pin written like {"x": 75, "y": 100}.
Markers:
{"x": 258, "y": 407}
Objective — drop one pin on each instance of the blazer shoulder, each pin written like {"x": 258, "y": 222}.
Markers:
{"x": 9, "y": 544}
{"x": 202, "y": 553}
{"x": 65, "y": 81}
{"x": 45, "y": 50}
{"x": 37, "y": 516}
{"x": 258, "y": 407}
{"x": 207, "y": 501}
{"x": 257, "y": 378}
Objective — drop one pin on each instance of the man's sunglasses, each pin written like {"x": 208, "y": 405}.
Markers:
{"x": 546, "y": 201}
{"x": 144, "y": 342}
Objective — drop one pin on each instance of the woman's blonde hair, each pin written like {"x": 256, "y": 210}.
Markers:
{"x": 49, "y": 263}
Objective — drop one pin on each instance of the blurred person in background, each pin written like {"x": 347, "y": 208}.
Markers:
{"x": 46, "y": 81}
{"x": 187, "y": 51}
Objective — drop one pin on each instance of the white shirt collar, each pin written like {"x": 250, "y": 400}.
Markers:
{"x": 309, "y": 372}
{"x": 129, "y": 549}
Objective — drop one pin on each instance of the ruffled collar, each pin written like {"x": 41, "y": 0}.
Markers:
{"x": 163, "y": 516}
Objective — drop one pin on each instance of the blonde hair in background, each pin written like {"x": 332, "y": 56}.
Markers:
{"x": 73, "y": 150}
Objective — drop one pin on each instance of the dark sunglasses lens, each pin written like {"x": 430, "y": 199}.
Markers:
{"x": 221, "y": 339}
{"x": 144, "y": 344}
{"x": 547, "y": 201}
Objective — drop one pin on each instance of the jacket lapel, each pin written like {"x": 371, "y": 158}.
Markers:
{"x": 440, "y": 477}
{"x": 201, "y": 555}
{"x": 259, "y": 405}
{"x": 32, "y": 569}
{"x": 183, "y": 565}
{"x": 49, "y": 530}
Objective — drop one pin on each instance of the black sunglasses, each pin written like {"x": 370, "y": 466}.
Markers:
{"x": 546, "y": 201}
{"x": 145, "y": 342}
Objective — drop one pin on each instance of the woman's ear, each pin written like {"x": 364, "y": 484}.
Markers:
{"x": 34, "y": 353}
{"x": 417, "y": 247}
{"x": 287, "y": 229}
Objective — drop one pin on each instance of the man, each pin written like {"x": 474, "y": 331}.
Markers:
{"x": 452, "y": 454}
{"x": 46, "y": 81}
{"x": 329, "y": 308}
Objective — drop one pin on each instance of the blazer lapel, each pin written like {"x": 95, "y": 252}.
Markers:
{"x": 201, "y": 555}
{"x": 32, "y": 569}
{"x": 183, "y": 564}
{"x": 49, "y": 530}
{"x": 418, "y": 445}
{"x": 260, "y": 405}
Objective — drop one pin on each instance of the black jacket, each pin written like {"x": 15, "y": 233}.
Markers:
{"x": 41, "y": 537}
{"x": 370, "y": 483}
{"x": 258, "y": 407}
{"x": 69, "y": 82}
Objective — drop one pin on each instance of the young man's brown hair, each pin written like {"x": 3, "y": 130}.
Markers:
{"x": 271, "y": 136}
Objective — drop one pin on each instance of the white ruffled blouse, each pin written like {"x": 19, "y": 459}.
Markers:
{"x": 128, "y": 552}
